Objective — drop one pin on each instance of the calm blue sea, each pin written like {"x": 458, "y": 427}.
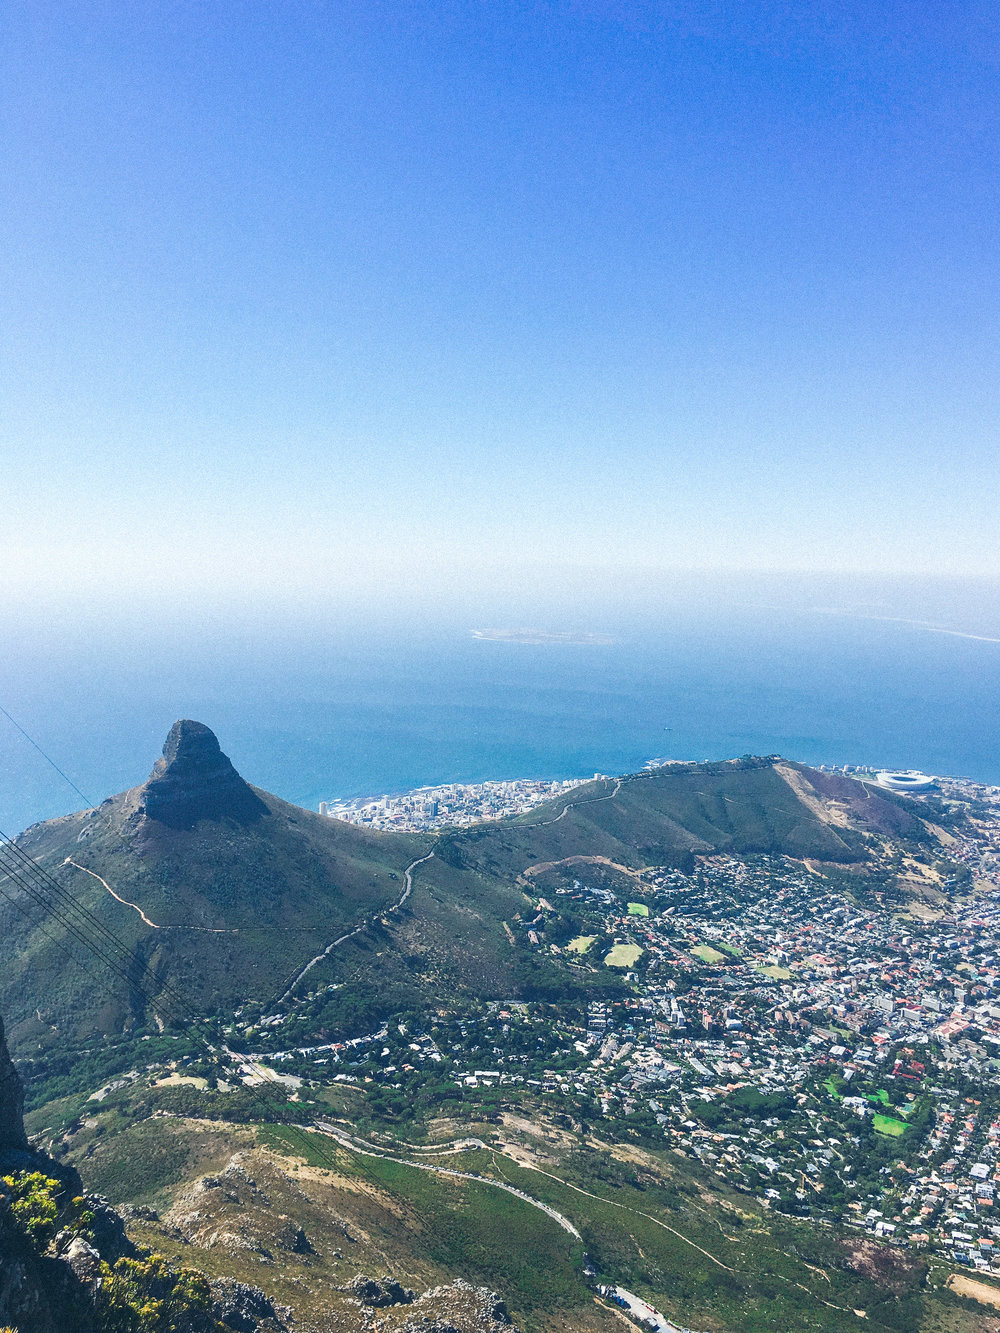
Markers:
{"x": 325, "y": 707}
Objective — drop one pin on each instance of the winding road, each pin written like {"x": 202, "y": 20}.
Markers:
{"x": 352, "y": 1144}
{"x": 572, "y": 805}
{"x": 356, "y": 930}
{"x": 640, "y": 1308}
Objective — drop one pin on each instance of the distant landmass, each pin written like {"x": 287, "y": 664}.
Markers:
{"x": 540, "y": 636}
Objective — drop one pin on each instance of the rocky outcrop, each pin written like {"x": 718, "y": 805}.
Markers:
{"x": 12, "y": 1135}
{"x": 56, "y": 1285}
{"x": 460, "y": 1306}
{"x": 57, "y": 1245}
{"x": 194, "y": 780}
{"x": 453, "y": 1307}
{"x": 377, "y": 1293}
{"x": 246, "y": 1309}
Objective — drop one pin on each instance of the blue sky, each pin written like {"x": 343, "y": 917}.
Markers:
{"x": 304, "y": 295}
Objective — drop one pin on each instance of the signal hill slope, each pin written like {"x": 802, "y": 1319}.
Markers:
{"x": 666, "y": 815}
{"x": 224, "y": 893}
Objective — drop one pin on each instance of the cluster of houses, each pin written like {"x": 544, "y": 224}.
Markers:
{"x": 814, "y": 1040}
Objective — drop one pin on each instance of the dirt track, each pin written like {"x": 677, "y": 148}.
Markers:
{"x": 979, "y": 1291}
{"x": 578, "y": 861}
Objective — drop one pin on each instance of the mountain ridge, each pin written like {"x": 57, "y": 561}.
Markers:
{"x": 406, "y": 938}
{"x": 224, "y": 891}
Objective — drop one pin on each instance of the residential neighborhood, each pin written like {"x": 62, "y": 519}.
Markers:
{"x": 451, "y": 805}
{"x": 827, "y": 1046}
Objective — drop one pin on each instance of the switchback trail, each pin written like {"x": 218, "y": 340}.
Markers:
{"x": 357, "y": 1144}
{"x": 368, "y": 1149}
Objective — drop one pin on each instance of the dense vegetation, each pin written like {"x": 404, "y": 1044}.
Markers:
{"x": 139, "y": 1293}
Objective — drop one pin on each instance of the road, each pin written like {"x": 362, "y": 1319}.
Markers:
{"x": 640, "y": 1308}
{"x": 572, "y": 805}
{"x": 356, "y": 930}
{"x": 354, "y": 1145}
{"x": 645, "y": 1312}
{"x": 408, "y": 889}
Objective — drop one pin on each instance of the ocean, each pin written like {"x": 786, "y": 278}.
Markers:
{"x": 318, "y": 706}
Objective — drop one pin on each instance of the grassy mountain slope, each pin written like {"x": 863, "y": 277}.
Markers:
{"x": 660, "y": 816}
{"x": 230, "y": 908}
{"x": 225, "y": 892}
{"x": 301, "y": 1217}
{"x": 450, "y": 939}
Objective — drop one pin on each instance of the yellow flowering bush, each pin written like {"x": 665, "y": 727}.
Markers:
{"x": 33, "y": 1204}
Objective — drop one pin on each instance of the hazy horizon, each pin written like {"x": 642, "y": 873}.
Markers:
{"x": 334, "y": 333}
{"x": 323, "y": 698}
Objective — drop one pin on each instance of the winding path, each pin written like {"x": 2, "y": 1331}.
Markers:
{"x": 638, "y": 1211}
{"x": 636, "y": 1305}
{"x": 571, "y": 805}
{"x": 208, "y": 930}
{"x": 353, "y": 1145}
{"x": 124, "y": 901}
{"x": 356, "y": 930}
{"x": 408, "y": 889}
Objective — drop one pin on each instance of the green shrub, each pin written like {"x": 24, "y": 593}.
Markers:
{"x": 146, "y": 1295}
{"x": 33, "y": 1205}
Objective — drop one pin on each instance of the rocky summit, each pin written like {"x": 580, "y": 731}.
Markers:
{"x": 220, "y": 889}
{"x": 194, "y": 780}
